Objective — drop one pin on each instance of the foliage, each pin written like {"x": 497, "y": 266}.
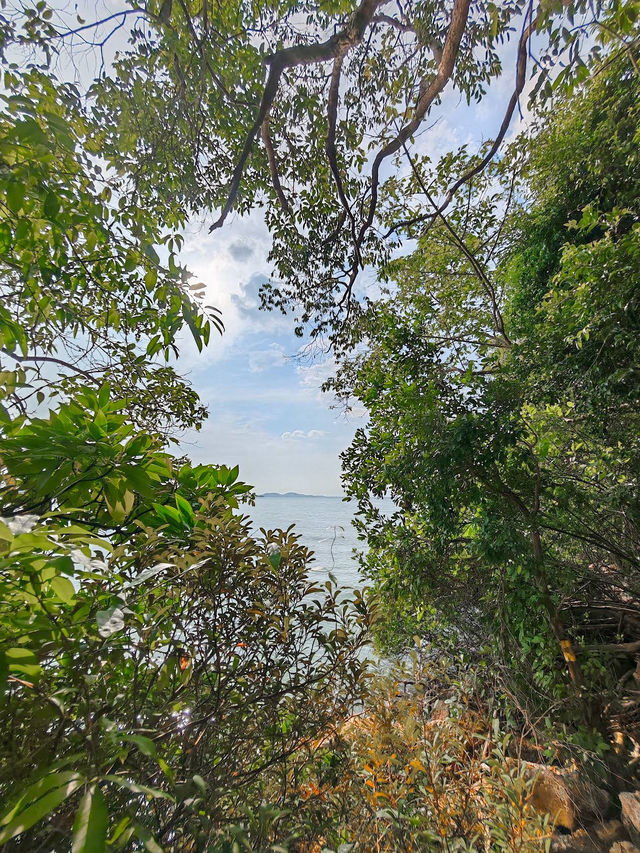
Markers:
{"x": 499, "y": 373}
{"x": 575, "y": 261}
{"x": 170, "y": 677}
{"x": 413, "y": 772}
{"x": 84, "y": 295}
{"x": 169, "y": 680}
{"x": 309, "y": 112}
{"x": 160, "y": 666}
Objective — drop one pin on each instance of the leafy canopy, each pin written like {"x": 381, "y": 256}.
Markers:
{"x": 499, "y": 373}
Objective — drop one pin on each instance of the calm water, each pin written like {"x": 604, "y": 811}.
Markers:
{"x": 324, "y": 525}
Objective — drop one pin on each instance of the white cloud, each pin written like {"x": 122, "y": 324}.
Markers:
{"x": 268, "y": 462}
{"x": 440, "y": 137}
{"x": 232, "y": 264}
{"x": 298, "y": 434}
{"x": 260, "y": 360}
{"x": 312, "y": 376}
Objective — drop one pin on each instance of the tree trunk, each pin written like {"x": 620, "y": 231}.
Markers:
{"x": 555, "y": 620}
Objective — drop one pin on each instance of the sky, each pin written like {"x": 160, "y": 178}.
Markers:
{"x": 267, "y": 412}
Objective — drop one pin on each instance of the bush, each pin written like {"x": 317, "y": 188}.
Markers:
{"x": 156, "y": 691}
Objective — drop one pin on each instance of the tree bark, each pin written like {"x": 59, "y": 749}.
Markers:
{"x": 555, "y": 620}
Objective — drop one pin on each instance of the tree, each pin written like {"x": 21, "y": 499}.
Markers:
{"x": 160, "y": 667}
{"x": 157, "y": 687}
{"x": 509, "y": 448}
{"x": 307, "y": 110}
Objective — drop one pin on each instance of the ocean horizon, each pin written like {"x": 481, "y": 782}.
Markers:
{"x": 324, "y": 524}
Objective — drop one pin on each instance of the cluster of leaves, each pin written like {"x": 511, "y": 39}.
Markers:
{"x": 168, "y": 680}
{"x": 84, "y": 297}
{"x": 499, "y": 371}
{"x": 413, "y": 772}
{"x": 308, "y": 111}
{"x": 160, "y": 667}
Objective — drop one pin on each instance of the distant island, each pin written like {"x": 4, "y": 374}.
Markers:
{"x": 294, "y": 495}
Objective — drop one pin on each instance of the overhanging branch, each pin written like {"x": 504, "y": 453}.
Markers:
{"x": 521, "y": 73}
{"x": 289, "y": 57}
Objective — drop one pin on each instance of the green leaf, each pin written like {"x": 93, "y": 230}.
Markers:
{"x": 90, "y": 241}
{"x": 185, "y": 510}
{"x": 51, "y": 205}
{"x": 200, "y": 783}
{"x": 150, "y": 279}
{"x": 103, "y": 395}
{"x": 144, "y": 744}
{"x": 30, "y": 130}
{"x": 38, "y": 801}
{"x": 138, "y": 479}
{"x": 119, "y": 508}
{"x": 151, "y": 253}
{"x": 167, "y": 513}
{"x": 120, "y": 829}
{"x": 63, "y": 588}
{"x": 275, "y": 559}
{"x": 6, "y": 237}
{"x": 147, "y": 839}
{"x": 137, "y": 788}
{"x": 15, "y": 196}
{"x": 23, "y": 661}
{"x": 91, "y": 823}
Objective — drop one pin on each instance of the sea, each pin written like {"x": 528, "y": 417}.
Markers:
{"x": 324, "y": 525}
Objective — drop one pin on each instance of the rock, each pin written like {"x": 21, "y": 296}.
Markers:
{"x": 623, "y": 847}
{"x": 630, "y": 803}
{"x": 600, "y": 838}
{"x": 567, "y": 795}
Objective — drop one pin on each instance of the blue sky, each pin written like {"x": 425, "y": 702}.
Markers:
{"x": 267, "y": 412}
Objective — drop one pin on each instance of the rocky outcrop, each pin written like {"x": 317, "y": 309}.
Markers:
{"x": 623, "y": 847}
{"x": 601, "y": 838}
{"x": 630, "y": 811}
{"x": 567, "y": 795}
{"x": 612, "y": 836}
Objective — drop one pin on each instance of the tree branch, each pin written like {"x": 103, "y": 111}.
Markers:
{"x": 393, "y": 22}
{"x": 446, "y": 65}
{"x": 273, "y": 165}
{"x": 52, "y": 360}
{"x": 487, "y": 285}
{"x": 429, "y": 92}
{"x": 289, "y": 57}
{"x": 521, "y": 72}
{"x": 616, "y": 648}
{"x": 330, "y": 145}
